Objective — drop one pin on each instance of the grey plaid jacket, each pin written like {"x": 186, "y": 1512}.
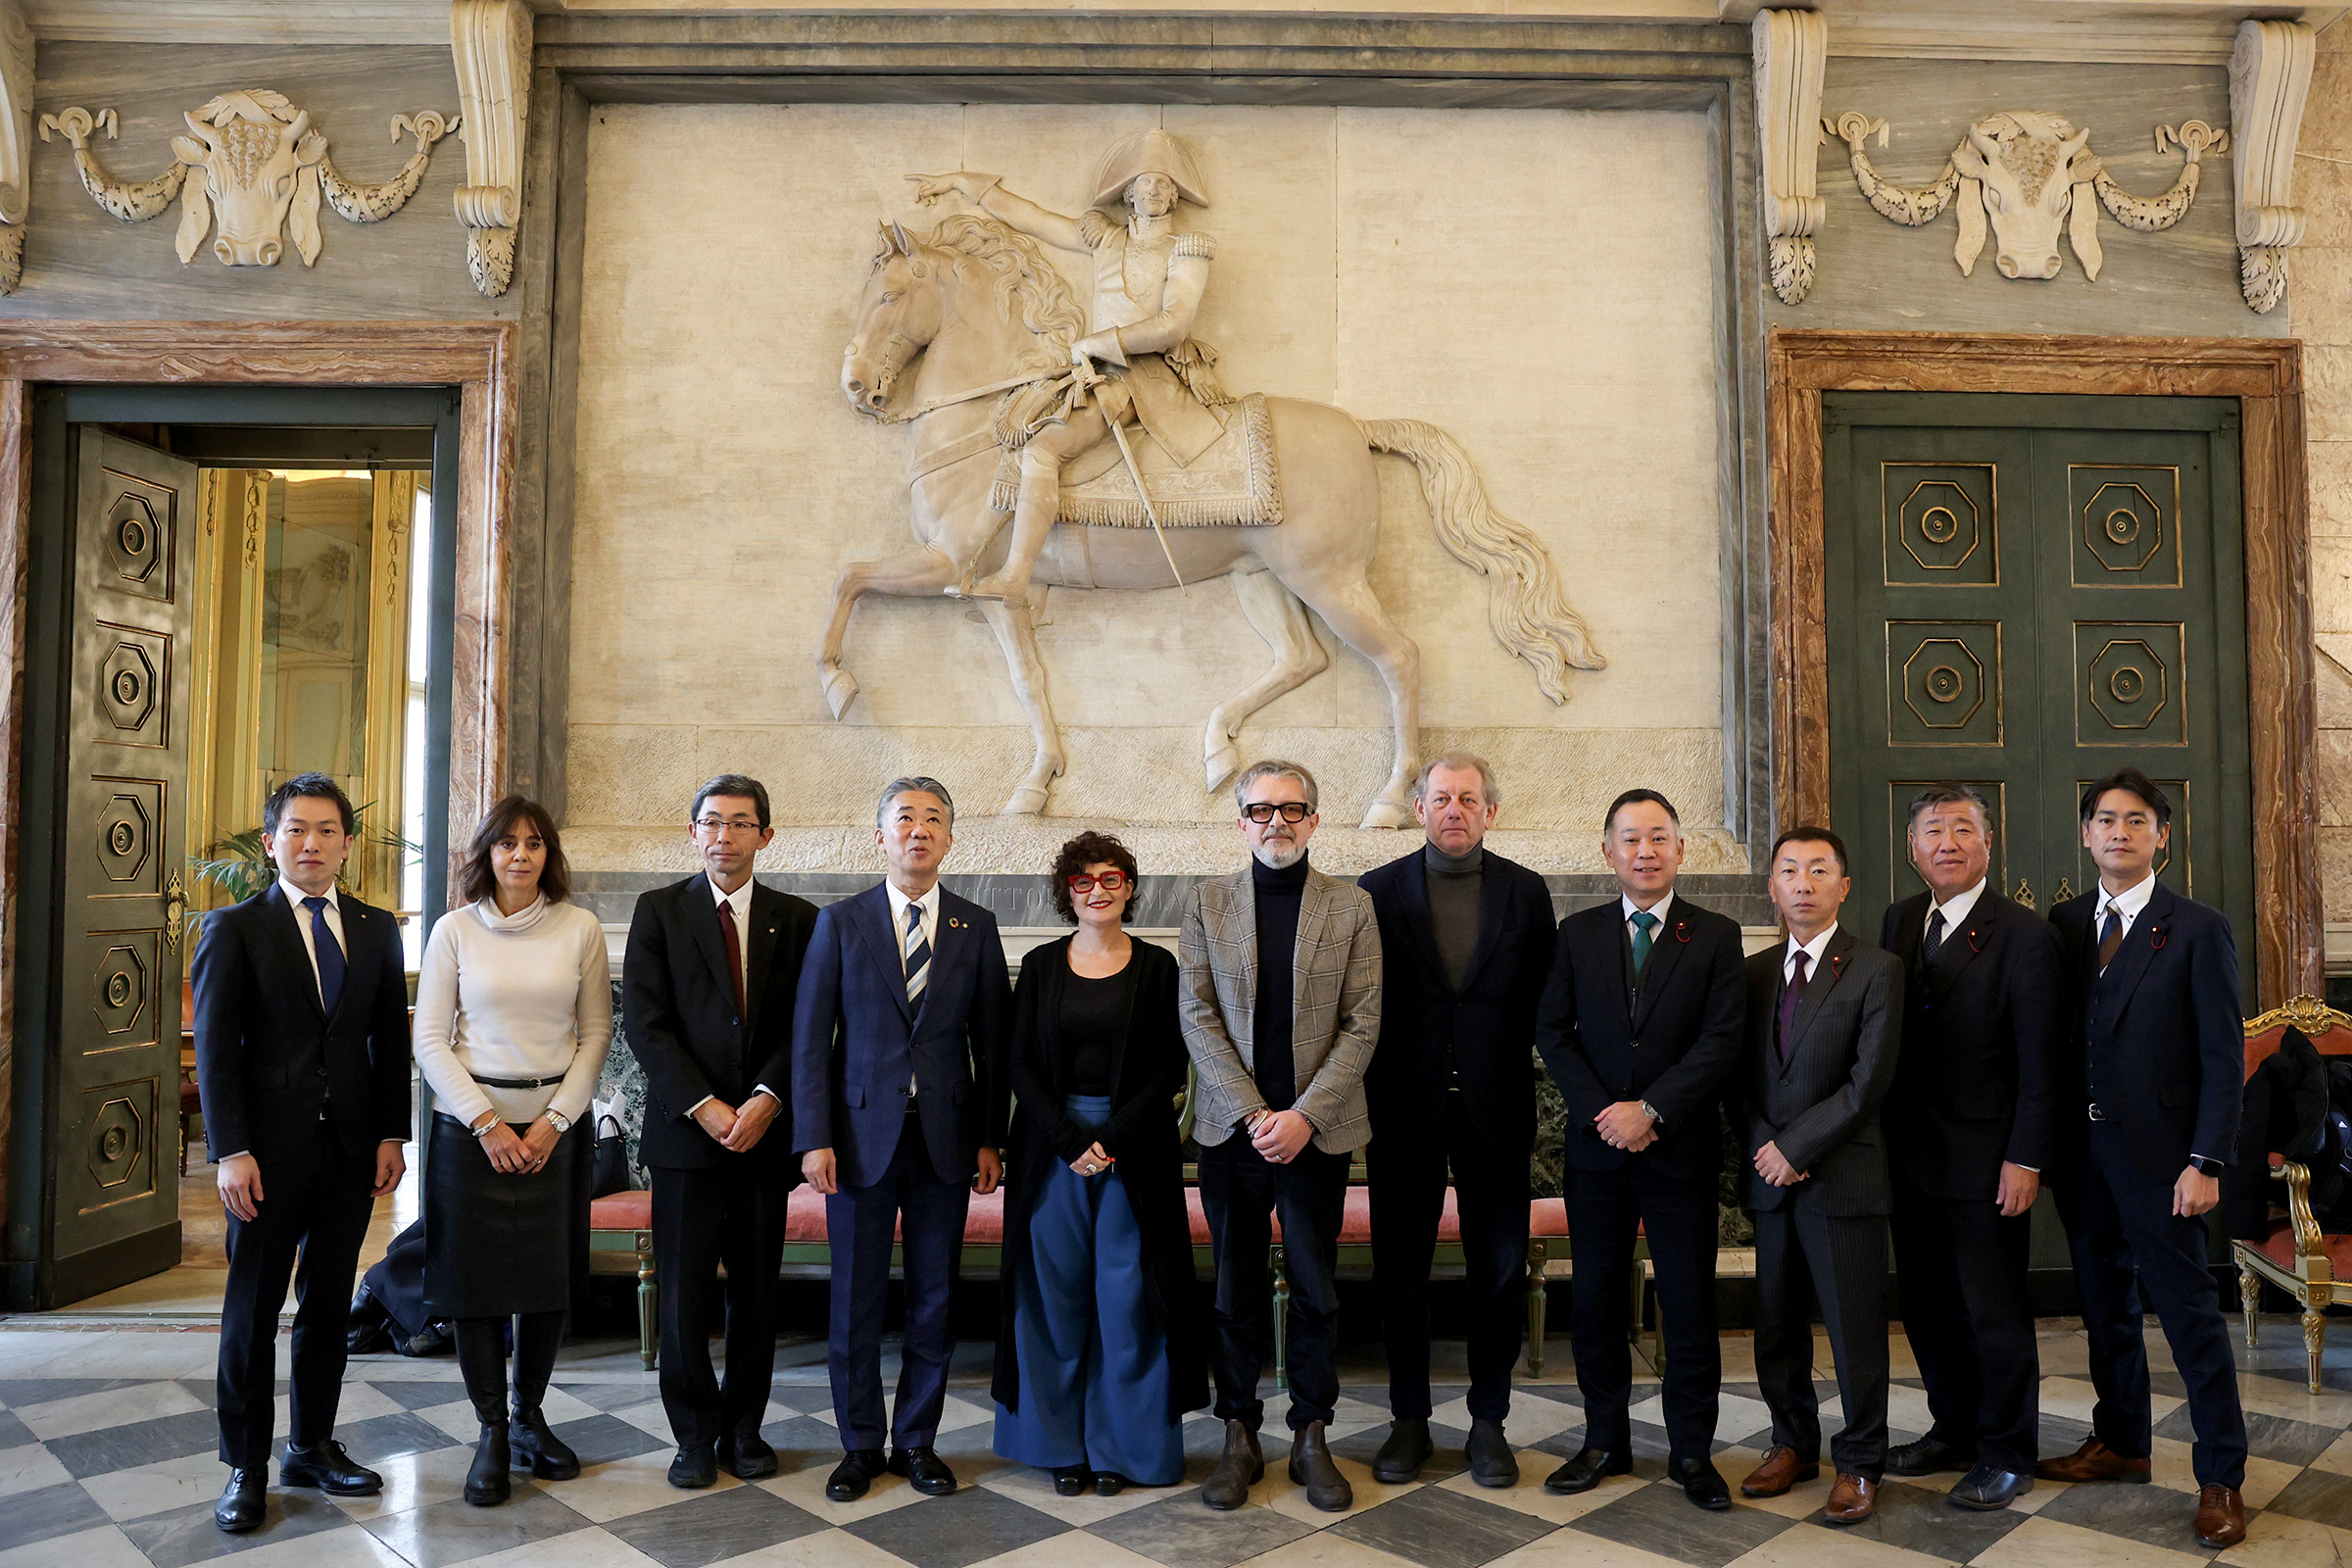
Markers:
{"x": 1334, "y": 1006}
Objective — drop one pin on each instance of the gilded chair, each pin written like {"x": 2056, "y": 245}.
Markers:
{"x": 2296, "y": 1256}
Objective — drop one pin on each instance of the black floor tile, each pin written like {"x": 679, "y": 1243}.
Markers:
{"x": 715, "y": 1527}
{"x": 1649, "y": 1444}
{"x": 188, "y": 1535}
{"x": 625, "y": 1395}
{"x": 1183, "y": 1531}
{"x": 14, "y": 1434}
{"x": 417, "y": 1393}
{"x": 46, "y": 1512}
{"x": 804, "y": 1435}
{"x": 18, "y": 1393}
{"x": 456, "y": 1531}
{"x": 2156, "y": 1516}
{"x": 112, "y": 1448}
{"x": 1661, "y": 1520}
{"x": 602, "y": 1438}
{"x": 1557, "y": 1393}
{"x": 1920, "y": 1518}
{"x": 1440, "y": 1529}
{"x": 962, "y": 1528}
{"x": 388, "y": 1436}
{"x": 2319, "y": 1496}
{"x": 2057, "y": 1435}
{"x": 1446, "y": 1459}
{"x": 2269, "y": 1437}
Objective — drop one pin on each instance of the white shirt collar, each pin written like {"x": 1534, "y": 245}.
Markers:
{"x": 740, "y": 898}
{"x": 2130, "y": 902}
{"x": 1626, "y": 906}
{"x": 294, "y": 895}
{"x": 1955, "y": 913}
{"x": 1812, "y": 950}
{"x": 928, "y": 903}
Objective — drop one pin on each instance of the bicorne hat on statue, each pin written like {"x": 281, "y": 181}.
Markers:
{"x": 1154, "y": 152}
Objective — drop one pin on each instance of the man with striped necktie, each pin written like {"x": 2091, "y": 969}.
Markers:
{"x": 900, "y": 1095}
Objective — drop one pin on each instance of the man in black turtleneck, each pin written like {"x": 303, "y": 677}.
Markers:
{"x": 1466, "y": 939}
{"x": 1280, "y": 995}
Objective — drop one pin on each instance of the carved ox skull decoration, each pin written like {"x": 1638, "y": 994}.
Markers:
{"x": 262, "y": 169}
{"x": 2029, "y": 174}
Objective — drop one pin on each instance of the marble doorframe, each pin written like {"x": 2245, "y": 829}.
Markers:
{"x": 581, "y": 62}
{"x": 2266, "y": 376}
{"x": 477, "y": 356}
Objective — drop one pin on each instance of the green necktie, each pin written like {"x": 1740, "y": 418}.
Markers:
{"x": 1643, "y": 921}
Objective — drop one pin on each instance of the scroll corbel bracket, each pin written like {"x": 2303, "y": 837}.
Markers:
{"x": 2269, "y": 77}
{"x": 490, "y": 42}
{"x": 1791, "y": 48}
{"x": 16, "y": 140}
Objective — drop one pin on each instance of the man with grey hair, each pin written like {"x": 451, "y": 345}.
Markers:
{"x": 1465, "y": 940}
{"x": 900, "y": 1095}
{"x": 1280, "y": 1043}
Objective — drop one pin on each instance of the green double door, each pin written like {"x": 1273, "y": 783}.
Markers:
{"x": 2023, "y": 594}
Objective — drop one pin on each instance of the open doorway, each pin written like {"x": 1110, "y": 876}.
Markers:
{"x": 229, "y": 587}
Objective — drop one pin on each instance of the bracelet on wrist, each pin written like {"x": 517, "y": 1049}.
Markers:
{"x": 482, "y": 1130}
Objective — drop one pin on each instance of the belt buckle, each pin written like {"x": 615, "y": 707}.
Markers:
{"x": 2096, "y": 1114}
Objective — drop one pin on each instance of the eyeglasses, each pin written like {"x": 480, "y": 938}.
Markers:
{"x": 715, "y": 829}
{"x": 1291, "y": 810}
{"x": 1109, "y": 882}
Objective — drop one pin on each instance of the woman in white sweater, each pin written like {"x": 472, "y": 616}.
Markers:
{"x": 514, "y": 1015}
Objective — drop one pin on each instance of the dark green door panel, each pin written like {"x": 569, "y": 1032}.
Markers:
{"x": 2025, "y": 592}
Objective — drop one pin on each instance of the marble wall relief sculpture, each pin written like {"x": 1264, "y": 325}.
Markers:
{"x": 1791, "y": 49}
{"x": 2269, "y": 76}
{"x": 2030, "y": 175}
{"x": 16, "y": 140}
{"x": 490, "y": 43}
{"x": 1089, "y": 445}
{"x": 262, "y": 170}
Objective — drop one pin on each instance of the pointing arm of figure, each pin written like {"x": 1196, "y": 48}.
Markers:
{"x": 988, "y": 193}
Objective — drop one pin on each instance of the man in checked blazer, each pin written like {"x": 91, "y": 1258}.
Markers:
{"x": 900, "y": 1091}
{"x": 1280, "y": 992}
{"x": 1825, "y": 1019}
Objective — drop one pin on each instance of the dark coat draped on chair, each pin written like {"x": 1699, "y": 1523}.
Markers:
{"x": 1147, "y": 1069}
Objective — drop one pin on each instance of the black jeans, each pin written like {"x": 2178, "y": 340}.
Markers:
{"x": 1408, "y": 1166}
{"x": 1240, "y": 1193}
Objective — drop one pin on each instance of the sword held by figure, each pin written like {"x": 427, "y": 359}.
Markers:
{"x": 1089, "y": 379}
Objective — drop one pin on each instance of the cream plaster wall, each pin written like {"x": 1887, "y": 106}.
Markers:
{"x": 1436, "y": 264}
{"x": 2319, "y": 294}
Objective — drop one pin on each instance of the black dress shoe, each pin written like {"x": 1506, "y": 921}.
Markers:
{"x": 924, "y": 1470}
{"x": 1072, "y": 1480}
{"x": 694, "y": 1467}
{"x": 1985, "y": 1489}
{"x": 1700, "y": 1482}
{"x": 1491, "y": 1463}
{"x": 1925, "y": 1457}
{"x": 1109, "y": 1482}
{"x": 243, "y": 1501}
{"x": 327, "y": 1467}
{"x": 747, "y": 1456}
{"x": 1402, "y": 1455}
{"x": 1586, "y": 1471}
{"x": 853, "y": 1475}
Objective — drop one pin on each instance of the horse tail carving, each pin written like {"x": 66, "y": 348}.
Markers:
{"x": 1524, "y": 602}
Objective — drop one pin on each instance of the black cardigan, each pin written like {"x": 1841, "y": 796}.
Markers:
{"x": 1147, "y": 1068}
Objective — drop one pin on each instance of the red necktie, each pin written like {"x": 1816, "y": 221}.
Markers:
{"x": 726, "y": 923}
{"x": 1790, "y": 998}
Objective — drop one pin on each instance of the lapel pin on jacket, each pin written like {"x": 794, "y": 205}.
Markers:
{"x": 1836, "y": 965}
{"x": 1682, "y": 931}
{"x": 1975, "y": 940}
{"x": 2155, "y": 937}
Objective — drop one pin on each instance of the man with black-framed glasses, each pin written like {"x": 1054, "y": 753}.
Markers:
{"x": 1280, "y": 1050}
{"x": 706, "y": 994}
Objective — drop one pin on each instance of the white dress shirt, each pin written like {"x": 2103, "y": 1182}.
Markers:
{"x": 1955, "y": 912}
{"x": 1626, "y": 909}
{"x": 302, "y": 922}
{"x": 2126, "y": 904}
{"x": 1812, "y": 950}
{"x": 741, "y": 902}
{"x": 929, "y": 904}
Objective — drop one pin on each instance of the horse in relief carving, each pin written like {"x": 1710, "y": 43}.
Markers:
{"x": 977, "y": 305}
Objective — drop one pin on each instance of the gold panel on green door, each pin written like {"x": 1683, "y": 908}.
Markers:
{"x": 2127, "y": 525}
{"x": 1943, "y": 679}
{"x": 2132, "y": 684}
{"x": 1940, "y": 523}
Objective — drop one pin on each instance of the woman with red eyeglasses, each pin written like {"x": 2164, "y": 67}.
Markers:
{"x": 1097, "y": 1360}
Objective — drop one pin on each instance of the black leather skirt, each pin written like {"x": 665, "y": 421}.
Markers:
{"x": 494, "y": 1243}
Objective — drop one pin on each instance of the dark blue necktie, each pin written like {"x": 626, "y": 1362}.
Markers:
{"x": 329, "y": 954}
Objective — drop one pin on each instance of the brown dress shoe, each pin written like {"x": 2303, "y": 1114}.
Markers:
{"x": 2221, "y": 1516}
{"x": 2093, "y": 1461}
{"x": 1851, "y": 1500}
{"x": 1780, "y": 1470}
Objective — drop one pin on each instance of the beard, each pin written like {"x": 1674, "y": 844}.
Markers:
{"x": 1279, "y": 855}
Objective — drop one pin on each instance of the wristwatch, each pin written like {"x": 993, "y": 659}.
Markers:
{"x": 557, "y": 1119}
{"x": 2203, "y": 1167}
{"x": 1651, "y": 1111}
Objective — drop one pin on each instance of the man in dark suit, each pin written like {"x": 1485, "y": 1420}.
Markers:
{"x": 900, "y": 1091}
{"x": 2144, "y": 1115}
{"x": 1465, "y": 938}
{"x": 1640, "y": 1028}
{"x": 1967, "y": 1122}
{"x": 1823, "y": 1028}
{"x": 302, "y": 1063}
{"x": 707, "y": 1000}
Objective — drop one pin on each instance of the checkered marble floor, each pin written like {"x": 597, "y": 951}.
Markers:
{"x": 107, "y": 1461}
